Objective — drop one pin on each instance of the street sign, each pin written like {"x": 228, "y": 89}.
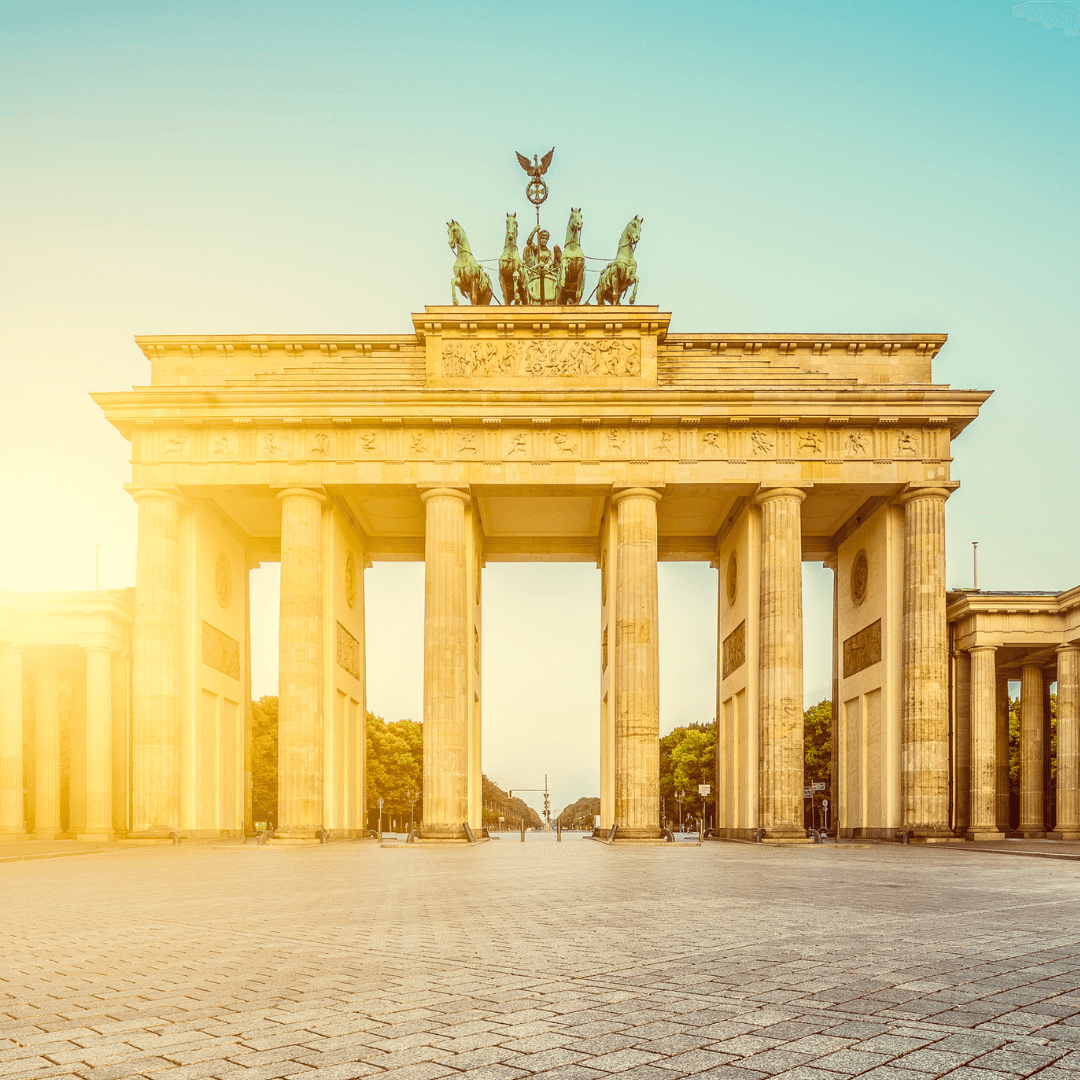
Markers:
{"x": 818, "y": 785}
{"x": 807, "y": 793}
{"x": 704, "y": 789}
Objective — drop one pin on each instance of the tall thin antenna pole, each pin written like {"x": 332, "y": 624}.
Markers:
{"x": 975, "y": 565}
{"x": 97, "y": 568}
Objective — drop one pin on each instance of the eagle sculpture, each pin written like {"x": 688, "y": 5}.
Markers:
{"x": 538, "y": 166}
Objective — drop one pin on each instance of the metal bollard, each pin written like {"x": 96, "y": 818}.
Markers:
{"x": 558, "y": 829}
{"x": 523, "y": 830}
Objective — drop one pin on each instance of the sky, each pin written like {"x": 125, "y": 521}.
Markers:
{"x": 288, "y": 167}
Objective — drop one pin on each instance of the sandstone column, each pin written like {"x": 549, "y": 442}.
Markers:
{"x": 637, "y": 666}
{"x": 12, "y": 806}
{"x": 47, "y": 752}
{"x": 1068, "y": 743}
{"x": 99, "y": 825}
{"x": 156, "y": 676}
{"x": 963, "y": 735}
{"x": 925, "y": 737}
{"x": 780, "y": 670}
{"x": 984, "y": 745}
{"x": 1032, "y": 751}
{"x": 446, "y": 660}
{"x": 300, "y": 667}
{"x": 1001, "y": 730}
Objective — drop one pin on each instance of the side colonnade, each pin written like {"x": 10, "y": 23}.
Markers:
{"x": 1034, "y": 639}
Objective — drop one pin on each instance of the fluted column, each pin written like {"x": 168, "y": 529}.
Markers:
{"x": 1032, "y": 752}
{"x": 925, "y": 736}
{"x": 156, "y": 677}
{"x": 637, "y": 666}
{"x": 780, "y": 668}
{"x": 300, "y": 667}
{"x": 1001, "y": 732}
{"x": 99, "y": 825}
{"x": 984, "y": 772}
{"x": 446, "y": 660}
{"x": 1068, "y": 743}
{"x": 12, "y": 805}
{"x": 963, "y": 735}
{"x": 47, "y": 752}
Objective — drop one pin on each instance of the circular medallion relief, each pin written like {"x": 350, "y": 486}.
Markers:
{"x": 860, "y": 576}
{"x": 223, "y": 580}
{"x": 350, "y": 579}
{"x": 732, "y": 577}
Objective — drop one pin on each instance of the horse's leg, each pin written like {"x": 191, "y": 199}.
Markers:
{"x": 633, "y": 295}
{"x": 453, "y": 289}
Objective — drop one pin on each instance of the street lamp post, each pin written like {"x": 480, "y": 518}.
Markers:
{"x": 679, "y": 799}
{"x": 412, "y": 796}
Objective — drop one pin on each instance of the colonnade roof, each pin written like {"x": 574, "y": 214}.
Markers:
{"x": 89, "y": 619}
{"x": 1022, "y": 626}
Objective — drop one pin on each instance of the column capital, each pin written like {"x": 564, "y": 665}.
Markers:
{"x": 1068, "y": 647}
{"x": 287, "y": 492}
{"x": 981, "y": 649}
{"x": 636, "y": 493}
{"x": 765, "y": 494}
{"x": 169, "y": 493}
{"x": 934, "y": 491}
{"x": 443, "y": 491}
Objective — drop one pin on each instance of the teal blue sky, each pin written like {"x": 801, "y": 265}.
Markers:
{"x": 289, "y": 167}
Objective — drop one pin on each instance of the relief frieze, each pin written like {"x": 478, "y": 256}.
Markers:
{"x": 348, "y": 652}
{"x": 220, "y": 651}
{"x": 541, "y": 358}
{"x": 735, "y": 649}
{"x": 862, "y": 650}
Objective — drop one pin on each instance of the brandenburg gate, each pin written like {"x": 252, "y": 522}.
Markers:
{"x": 562, "y": 433}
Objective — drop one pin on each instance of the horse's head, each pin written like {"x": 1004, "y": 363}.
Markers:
{"x": 632, "y": 232}
{"x": 453, "y": 234}
{"x": 573, "y": 226}
{"x": 511, "y": 228}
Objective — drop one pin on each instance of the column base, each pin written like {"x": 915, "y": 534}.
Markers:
{"x": 10, "y": 835}
{"x": 104, "y": 836}
{"x": 1064, "y": 834}
{"x": 155, "y": 836}
{"x": 443, "y": 832}
{"x": 983, "y": 835}
{"x": 300, "y": 834}
{"x": 1031, "y": 832}
{"x": 639, "y": 832}
{"x": 48, "y": 834}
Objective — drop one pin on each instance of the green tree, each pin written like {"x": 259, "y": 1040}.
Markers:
{"x": 395, "y": 764}
{"x": 817, "y": 742}
{"x": 580, "y": 814}
{"x": 264, "y": 758}
{"x": 687, "y": 759}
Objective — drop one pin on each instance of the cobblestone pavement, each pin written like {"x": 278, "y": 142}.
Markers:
{"x": 569, "y": 961}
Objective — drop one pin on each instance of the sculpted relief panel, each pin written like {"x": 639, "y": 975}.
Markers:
{"x": 541, "y": 358}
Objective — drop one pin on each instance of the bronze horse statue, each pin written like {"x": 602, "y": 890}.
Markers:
{"x": 468, "y": 276}
{"x": 621, "y": 273}
{"x": 571, "y": 281}
{"x": 511, "y": 271}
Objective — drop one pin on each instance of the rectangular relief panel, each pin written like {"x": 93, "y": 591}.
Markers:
{"x": 735, "y": 649}
{"x": 862, "y": 650}
{"x": 220, "y": 651}
{"x": 348, "y": 652}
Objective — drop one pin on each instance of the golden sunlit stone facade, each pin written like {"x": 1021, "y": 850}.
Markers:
{"x": 583, "y": 434}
